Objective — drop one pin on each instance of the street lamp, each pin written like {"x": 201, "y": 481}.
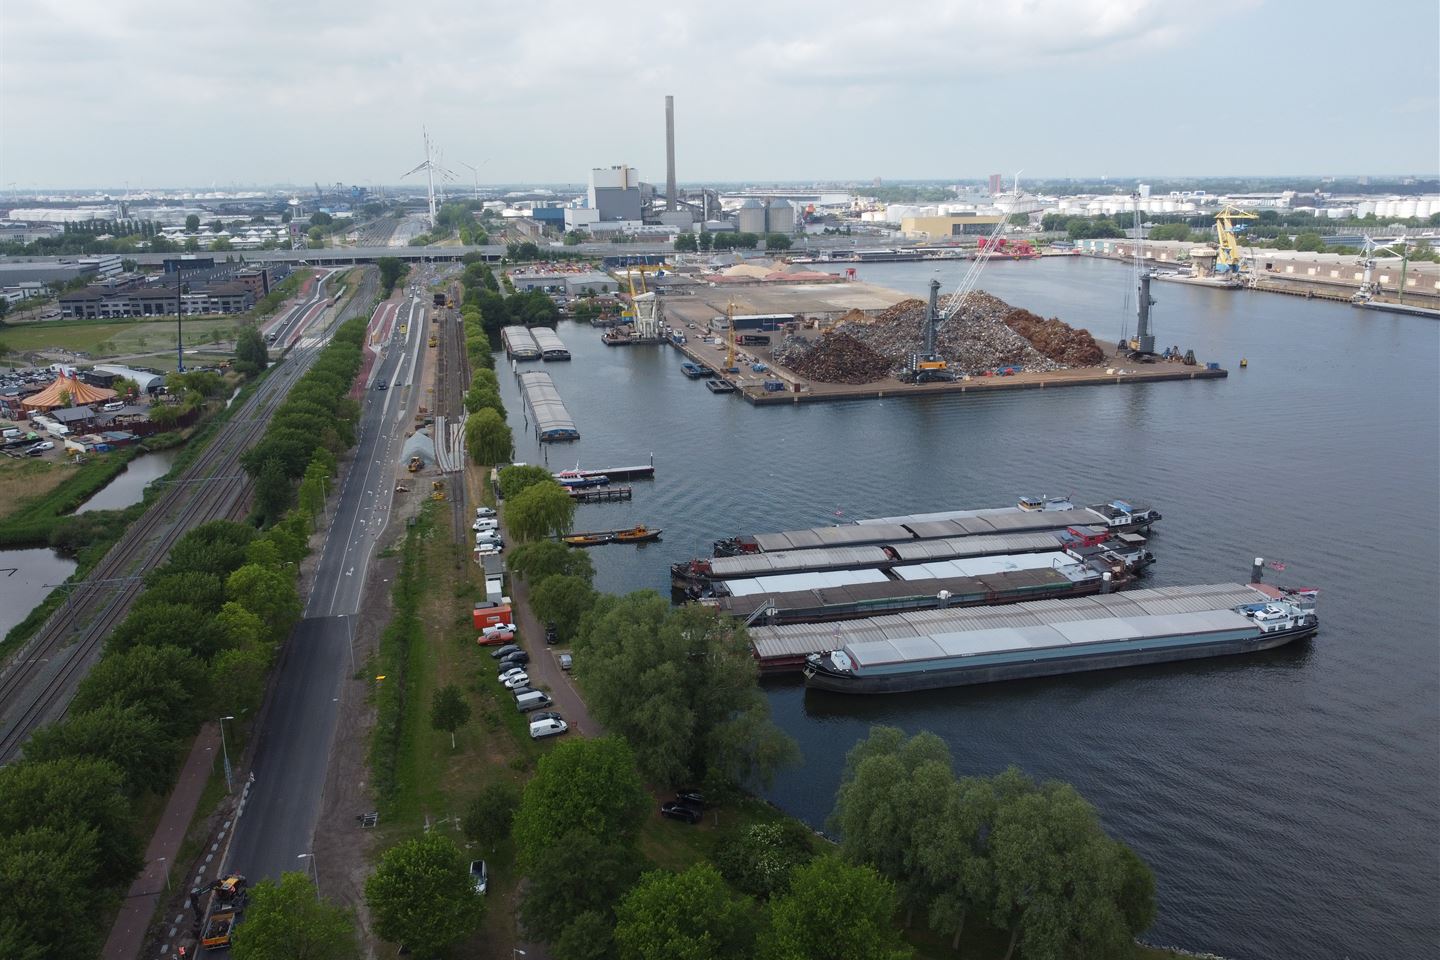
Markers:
{"x": 229, "y": 786}
{"x": 316, "y": 865}
{"x": 167, "y": 870}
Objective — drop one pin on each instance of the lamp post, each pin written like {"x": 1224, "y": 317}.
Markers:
{"x": 225, "y": 750}
{"x": 179, "y": 337}
{"x": 167, "y": 870}
{"x": 316, "y": 865}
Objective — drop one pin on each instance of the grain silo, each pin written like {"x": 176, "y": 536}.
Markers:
{"x": 780, "y": 217}
{"x": 750, "y": 218}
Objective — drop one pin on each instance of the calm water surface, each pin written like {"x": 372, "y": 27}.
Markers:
{"x": 24, "y": 576}
{"x": 1287, "y": 801}
{"x": 129, "y": 486}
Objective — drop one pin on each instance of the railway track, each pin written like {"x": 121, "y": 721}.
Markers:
{"x": 33, "y": 690}
{"x": 452, "y": 380}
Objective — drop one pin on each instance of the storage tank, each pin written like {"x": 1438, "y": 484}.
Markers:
{"x": 750, "y": 218}
{"x": 780, "y": 217}
{"x": 1424, "y": 208}
{"x": 1407, "y": 209}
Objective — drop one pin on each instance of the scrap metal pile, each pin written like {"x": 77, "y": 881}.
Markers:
{"x": 986, "y": 334}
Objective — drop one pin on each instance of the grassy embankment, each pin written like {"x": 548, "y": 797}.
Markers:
{"x": 423, "y": 783}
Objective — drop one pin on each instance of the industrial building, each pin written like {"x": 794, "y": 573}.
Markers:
{"x": 615, "y": 193}
{"x": 948, "y": 225}
{"x": 757, "y": 215}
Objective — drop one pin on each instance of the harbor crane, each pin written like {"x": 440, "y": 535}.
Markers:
{"x": 929, "y": 365}
{"x": 1400, "y": 247}
{"x": 1229, "y": 257}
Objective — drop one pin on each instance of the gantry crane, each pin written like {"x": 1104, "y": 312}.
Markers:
{"x": 1368, "y": 287}
{"x": 1227, "y": 259}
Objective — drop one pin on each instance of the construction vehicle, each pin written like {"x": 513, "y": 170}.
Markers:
{"x": 730, "y": 338}
{"x": 415, "y": 465}
{"x": 1228, "y": 258}
{"x": 434, "y": 340}
{"x": 928, "y": 366}
{"x": 437, "y": 490}
{"x": 226, "y": 907}
{"x": 1141, "y": 347}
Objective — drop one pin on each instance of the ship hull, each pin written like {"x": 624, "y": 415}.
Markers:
{"x": 821, "y": 678}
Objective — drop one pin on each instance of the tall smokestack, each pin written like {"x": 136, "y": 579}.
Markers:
{"x": 670, "y": 153}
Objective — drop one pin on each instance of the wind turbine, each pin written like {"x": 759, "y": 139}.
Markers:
{"x": 476, "y": 171}
{"x": 431, "y": 167}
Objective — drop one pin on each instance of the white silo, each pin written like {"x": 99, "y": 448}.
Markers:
{"x": 780, "y": 217}
{"x": 750, "y": 218}
{"x": 1407, "y": 209}
{"x": 1424, "y": 208}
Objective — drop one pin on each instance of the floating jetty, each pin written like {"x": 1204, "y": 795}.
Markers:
{"x": 644, "y": 471}
{"x": 601, "y": 494}
{"x": 1045, "y": 639}
{"x": 519, "y": 343}
{"x": 549, "y": 344}
{"x": 548, "y": 414}
{"x": 1030, "y": 514}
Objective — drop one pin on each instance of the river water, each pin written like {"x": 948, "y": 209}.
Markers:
{"x": 129, "y": 486}
{"x": 1286, "y": 801}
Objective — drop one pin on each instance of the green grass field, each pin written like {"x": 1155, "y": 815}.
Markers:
{"x": 101, "y": 338}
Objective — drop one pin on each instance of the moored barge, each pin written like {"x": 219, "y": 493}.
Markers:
{"x": 1268, "y": 618}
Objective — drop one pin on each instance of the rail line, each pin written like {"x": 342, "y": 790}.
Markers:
{"x": 78, "y": 628}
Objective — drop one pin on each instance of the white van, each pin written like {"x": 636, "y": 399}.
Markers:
{"x": 533, "y": 700}
{"x": 547, "y": 728}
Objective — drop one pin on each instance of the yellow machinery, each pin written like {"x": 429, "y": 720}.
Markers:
{"x": 730, "y": 337}
{"x": 1227, "y": 260}
{"x": 437, "y": 490}
{"x": 627, "y": 314}
{"x": 415, "y": 465}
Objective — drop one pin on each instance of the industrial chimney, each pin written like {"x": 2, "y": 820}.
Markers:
{"x": 670, "y": 198}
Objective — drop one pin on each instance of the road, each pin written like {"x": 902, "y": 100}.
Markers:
{"x": 294, "y": 742}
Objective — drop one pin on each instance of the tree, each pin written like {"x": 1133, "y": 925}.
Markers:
{"x": 392, "y": 269}
{"x": 488, "y": 437}
{"x": 250, "y": 349}
{"x": 589, "y": 936}
{"x": 273, "y": 491}
{"x": 421, "y": 895}
{"x": 449, "y": 710}
{"x": 288, "y": 921}
{"x": 221, "y": 245}
{"x": 192, "y": 223}
{"x": 581, "y": 873}
{"x": 47, "y": 874}
{"x": 540, "y": 559}
{"x": 238, "y": 677}
{"x": 1019, "y": 220}
{"x": 586, "y": 785}
{"x": 517, "y": 477}
{"x": 1062, "y": 888}
{"x": 686, "y": 243}
{"x": 267, "y": 593}
{"x": 683, "y": 916}
{"x": 758, "y": 858}
{"x": 834, "y": 911}
{"x": 166, "y": 682}
{"x": 680, "y": 685}
{"x": 884, "y": 815}
{"x": 83, "y": 792}
{"x": 1310, "y": 242}
{"x": 490, "y": 815}
{"x": 540, "y": 510}
{"x": 1171, "y": 231}
{"x": 777, "y": 241}
{"x": 562, "y": 600}
{"x": 126, "y": 736}
{"x": 321, "y": 219}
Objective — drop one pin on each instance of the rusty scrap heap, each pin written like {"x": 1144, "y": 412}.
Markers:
{"x": 986, "y": 334}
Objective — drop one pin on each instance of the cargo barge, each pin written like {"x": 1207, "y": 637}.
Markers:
{"x": 851, "y": 594}
{"x": 549, "y": 344}
{"x": 1267, "y": 618}
{"x": 1030, "y": 514}
{"x": 697, "y": 577}
{"x": 519, "y": 343}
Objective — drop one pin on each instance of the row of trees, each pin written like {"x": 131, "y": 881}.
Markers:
{"x": 705, "y": 241}
{"x": 392, "y": 271}
{"x": 196, "y": 644}
{"x": 1028, "y": 858}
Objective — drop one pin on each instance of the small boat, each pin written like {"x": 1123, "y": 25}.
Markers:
{"x": 720, "y": 385}
{"x": 575, "y": 482}
{"x": 695, "y": 371}
{"x": 636, "y": 534}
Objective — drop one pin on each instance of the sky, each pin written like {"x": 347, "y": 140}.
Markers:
{"x": 155, "y": 93}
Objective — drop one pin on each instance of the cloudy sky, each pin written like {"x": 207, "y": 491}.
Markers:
{"x": 156, "y": 93}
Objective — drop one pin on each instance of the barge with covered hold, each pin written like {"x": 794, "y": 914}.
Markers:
{"x": 1030, "y": 514}
{"x": 1066, "y": 641}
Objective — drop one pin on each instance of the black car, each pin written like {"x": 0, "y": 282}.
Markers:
{"x": 551, "y": 634}
{"x": 381, "y": 385}
{"x": 693, "y": 798}
{"x": 517, "y": 658}
{"x": 680, "y": 811}
{"x": 504, "y": 651}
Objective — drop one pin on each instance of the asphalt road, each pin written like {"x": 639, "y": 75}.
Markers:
{"x": 295, "y": 740}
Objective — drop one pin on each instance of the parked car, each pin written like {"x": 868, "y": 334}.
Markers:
{"x": 479, "y": 876}
{"x": 43, "y": 445}
{"x": 517, "y": 659}
{"x": 499, "y": 652}
{"x": 520, "y": 679}
{"x": 547, "y": 728}
{"x": 692, "y": 798}
{"x": 507, "y": 673}
{"x": 566, "y": 661}
{"x": 551, "y": 634}
{"x": 497, "y": 629}
{"x": 680, "y": 811}
{"x": 519, "y": 692}
{"x": 546, "y": 715}
{"x": 482, "y": 513}
{"x": 483, "y": 524}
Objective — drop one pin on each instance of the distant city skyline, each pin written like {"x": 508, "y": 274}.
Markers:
{"x": 155, "y": 93}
